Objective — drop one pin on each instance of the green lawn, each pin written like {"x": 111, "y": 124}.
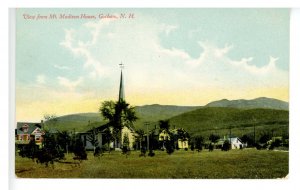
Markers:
{"x": 247, "y": 163}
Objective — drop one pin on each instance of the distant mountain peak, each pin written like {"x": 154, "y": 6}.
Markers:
{"x": 261, "y": 102}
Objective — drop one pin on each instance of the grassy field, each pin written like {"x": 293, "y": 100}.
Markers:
{"x": 246, "y": 164}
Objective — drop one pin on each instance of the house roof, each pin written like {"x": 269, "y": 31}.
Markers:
{"x": 98, "y": 129}
{"x": 31, "y": 127}
{"x": 232, "y": 139}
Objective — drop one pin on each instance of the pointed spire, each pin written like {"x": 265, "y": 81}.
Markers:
{"x": 121, "y": 89}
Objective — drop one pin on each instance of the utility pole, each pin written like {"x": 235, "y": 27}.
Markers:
{"x": 254, "y": 130}
{"x": 230, "y": 135}
{"x": 254, "y": 134}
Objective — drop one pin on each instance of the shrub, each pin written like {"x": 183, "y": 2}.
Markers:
{"x": 29, "y": 150}
{"x": 151, "y": 153}
{"x": 226, "y": 145}
{"x": 248, "y": 139}
{"x": 192, "y": 147}
{"x": 99, "y": 151}
{"x": 50, "y": 152}
{"x": 264, "y": 138}
{"x": 79, "y": 151}
{"x": 214, "y": 138}
{"x": 210, "y": 147}
{"x": 261, "y": 146}
{"x": 169, "y": 147}
{"x": 125, "y": 147}
{"x": 277, "y": 142}
{"x": 143, "y": 151}
{"x": 199, "y": 142}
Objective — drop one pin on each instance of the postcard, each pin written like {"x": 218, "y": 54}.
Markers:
{"x": 152, "y": 93}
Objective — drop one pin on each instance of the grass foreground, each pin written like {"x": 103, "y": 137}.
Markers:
{"x": 239, "y": 164}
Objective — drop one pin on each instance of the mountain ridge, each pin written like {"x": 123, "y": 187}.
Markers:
{"x": 153, "y": 113}
{"x": 261, "y": 102}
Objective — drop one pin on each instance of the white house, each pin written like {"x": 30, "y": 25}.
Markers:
{"x": 236, "y": 143}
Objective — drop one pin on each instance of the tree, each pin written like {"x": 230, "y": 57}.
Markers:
{"x": 50, "y": 121}
{"x": 50, "y": 152}
{"x": 118, "y": 114}
{"x": 140, "y": 136}
{"x": 264, "y": 138}
{"x": 125, "y": 147}
{"x": 164, "y": 125}
{"x": 192, "y": 146}
{"x": 170, "y": 146}
{"x": 109, "y": 137}
{"x": 153, "y": 143}
{"x": 214, "y": 138}
{"x": 30, "y": 150}
{"x": 92, "y": 138}
{"x": 248, "y": 139}
{"x": 64, "y": 140}
{"x": 199, "y": 143}
{"x": 226, "y": 145}
{"x": 143, "y": 151}
{"x": 79, "y": 151}
{"x": 210, "y": 147}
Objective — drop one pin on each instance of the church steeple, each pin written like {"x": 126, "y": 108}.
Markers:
{"x": 121, "y": 89}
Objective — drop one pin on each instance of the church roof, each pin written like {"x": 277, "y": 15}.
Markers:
{"x": 121, "y": 89}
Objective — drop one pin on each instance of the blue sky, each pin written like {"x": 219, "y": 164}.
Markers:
{"x": 171, "y": 56}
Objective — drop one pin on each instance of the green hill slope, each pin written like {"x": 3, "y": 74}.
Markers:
{"x": 78, "y": 122}
{"x": 197, "y": 119}
{"x": 218, "y": 120}
{"x": 147, "y": 113}
{"x": 155, "y": 112}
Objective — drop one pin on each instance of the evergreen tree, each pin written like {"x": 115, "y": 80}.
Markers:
{"x": 192, "y": 146}
{"x": 226, "y": 145}
{"x": 79, "y": 151}
{"x": 109, "y": 137}
{"x": 64, "y": 140}
{"x": 125, "y": 147}
{"x": 214, "y": 138}
{"x": 140, "y": 136}
{"x": 50, "y": 152}
{"x": 170, "y": 146}
{"x": 199, "y": 143}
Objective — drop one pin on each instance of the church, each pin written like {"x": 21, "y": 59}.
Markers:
{"x": 100, "y": 132}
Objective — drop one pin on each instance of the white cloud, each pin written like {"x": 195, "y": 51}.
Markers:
{"x": 95, "y": 29}
{"x": 168, "y": 28}
{"x": 173, "y": 52}
{"x": 212, "y": 54}
{"x": 71, "y": 85}
{"x": 62, "y": 67}
{"x": 153, "y": 66}
{"x": 81, "y": 49}
{"x": 267, "y": 69}
{"x": 41, "y": 79}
